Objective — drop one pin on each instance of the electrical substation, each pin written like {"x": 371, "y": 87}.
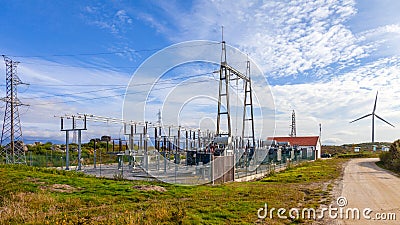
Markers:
{"x": 187, "y": 155}
{"x": 169, "y": 152}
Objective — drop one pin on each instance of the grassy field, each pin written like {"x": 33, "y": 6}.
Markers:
{"x": 31, "y": 195}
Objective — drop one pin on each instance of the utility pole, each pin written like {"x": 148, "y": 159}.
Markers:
{"x": 74, "y": 134}
{"x": 74, "y": 128}
{"x": 11, "y": 136}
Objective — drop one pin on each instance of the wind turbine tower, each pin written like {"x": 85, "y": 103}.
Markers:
{"x": 373, "y": 114}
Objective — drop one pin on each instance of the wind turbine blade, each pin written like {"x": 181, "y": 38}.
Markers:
{"x": 376, "y": 99}
{"x": 384, "y": 120}
{"x": 361, "y": 117}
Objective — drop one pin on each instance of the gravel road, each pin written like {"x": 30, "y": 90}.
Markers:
{"x": 365, "y": 185}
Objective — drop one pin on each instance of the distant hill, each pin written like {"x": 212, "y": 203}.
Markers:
{"x": 32, "y": 141}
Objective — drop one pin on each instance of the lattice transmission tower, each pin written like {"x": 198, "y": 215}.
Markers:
{"x": 293, "y": 125}
{"x": 12, "y": 151}
{"x": 226, "y": 75}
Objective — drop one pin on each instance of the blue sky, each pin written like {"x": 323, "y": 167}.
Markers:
{"x": 325, "y": 59}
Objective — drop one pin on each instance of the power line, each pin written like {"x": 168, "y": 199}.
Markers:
{"x": 119, "y": 85}
{"x": 57, "y": 64}
{"x": 111, "y": 96}
{"x": 114, "y": 88}
{"x": 76, "y": 93}
{"x": 80, "y": 85}
{"x": 109, "y": 53}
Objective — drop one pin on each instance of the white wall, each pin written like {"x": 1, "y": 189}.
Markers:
{"x": 318, "y": 148}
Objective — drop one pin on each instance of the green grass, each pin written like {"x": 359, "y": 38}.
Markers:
{"x": 28, "y": 196}
{"x": 383, "y": 166}
{"x": 321, "y": 170}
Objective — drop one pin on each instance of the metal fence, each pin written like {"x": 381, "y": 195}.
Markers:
{"x": 181, "y": 168}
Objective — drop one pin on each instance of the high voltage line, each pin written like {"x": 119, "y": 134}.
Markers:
{"x": 118, "y": 95}
{"x": 79, "y": 85}
{"x": 76, "y": 93}
{"x": 117, "y": 86}
{"x": 109, "y": 53}
{"x": 56, "y": 64}
{"x": 137, "y": 84}
{"x": 94, "y": 66}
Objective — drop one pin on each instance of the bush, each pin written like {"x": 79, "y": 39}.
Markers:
{"x": 391, "y": 159}
{"x": 396, "y": 165}
{"x": 395, "y": 149}
{"x": 386, "y": 158}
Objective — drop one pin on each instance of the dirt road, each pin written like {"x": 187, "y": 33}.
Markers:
{"x": 365, "y": 185}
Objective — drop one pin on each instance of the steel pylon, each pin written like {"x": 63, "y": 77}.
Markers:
{"x": 12, "y": 145}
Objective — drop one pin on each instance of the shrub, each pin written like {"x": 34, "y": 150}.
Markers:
{"x": 395, "y": 149}
{"x": 386, "y": 158}
{"x": 391, "y": 159}
{"x": 396, "y": 165}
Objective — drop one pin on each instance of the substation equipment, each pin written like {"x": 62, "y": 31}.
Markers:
{"x": 176, "y": 153}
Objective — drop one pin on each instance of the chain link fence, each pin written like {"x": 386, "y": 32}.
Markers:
{"x": 189, "y": 167}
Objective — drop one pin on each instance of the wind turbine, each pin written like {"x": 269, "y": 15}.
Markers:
{"x": 373, "y": 119}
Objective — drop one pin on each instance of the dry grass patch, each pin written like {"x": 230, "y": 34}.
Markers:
{"x": 22, "y": 207}
{"x": 150, "y": 188}
{"x": 62, "y": 188}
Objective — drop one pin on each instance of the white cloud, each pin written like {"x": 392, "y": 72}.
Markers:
{"x": 45, "y": 101}
{"x": 320, "y": 39}
{"x": 336, "y": 102}
{"x": 286, "y": 37}
{"x": 116, "y": 21}
{"x": 123, "y": 17}
{"x": 339, "y": 51}
{"x": 384, "y": 40}
{"x": 158, "y": 25}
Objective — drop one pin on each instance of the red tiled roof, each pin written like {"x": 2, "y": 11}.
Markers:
{"x": 300, "y": 141}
